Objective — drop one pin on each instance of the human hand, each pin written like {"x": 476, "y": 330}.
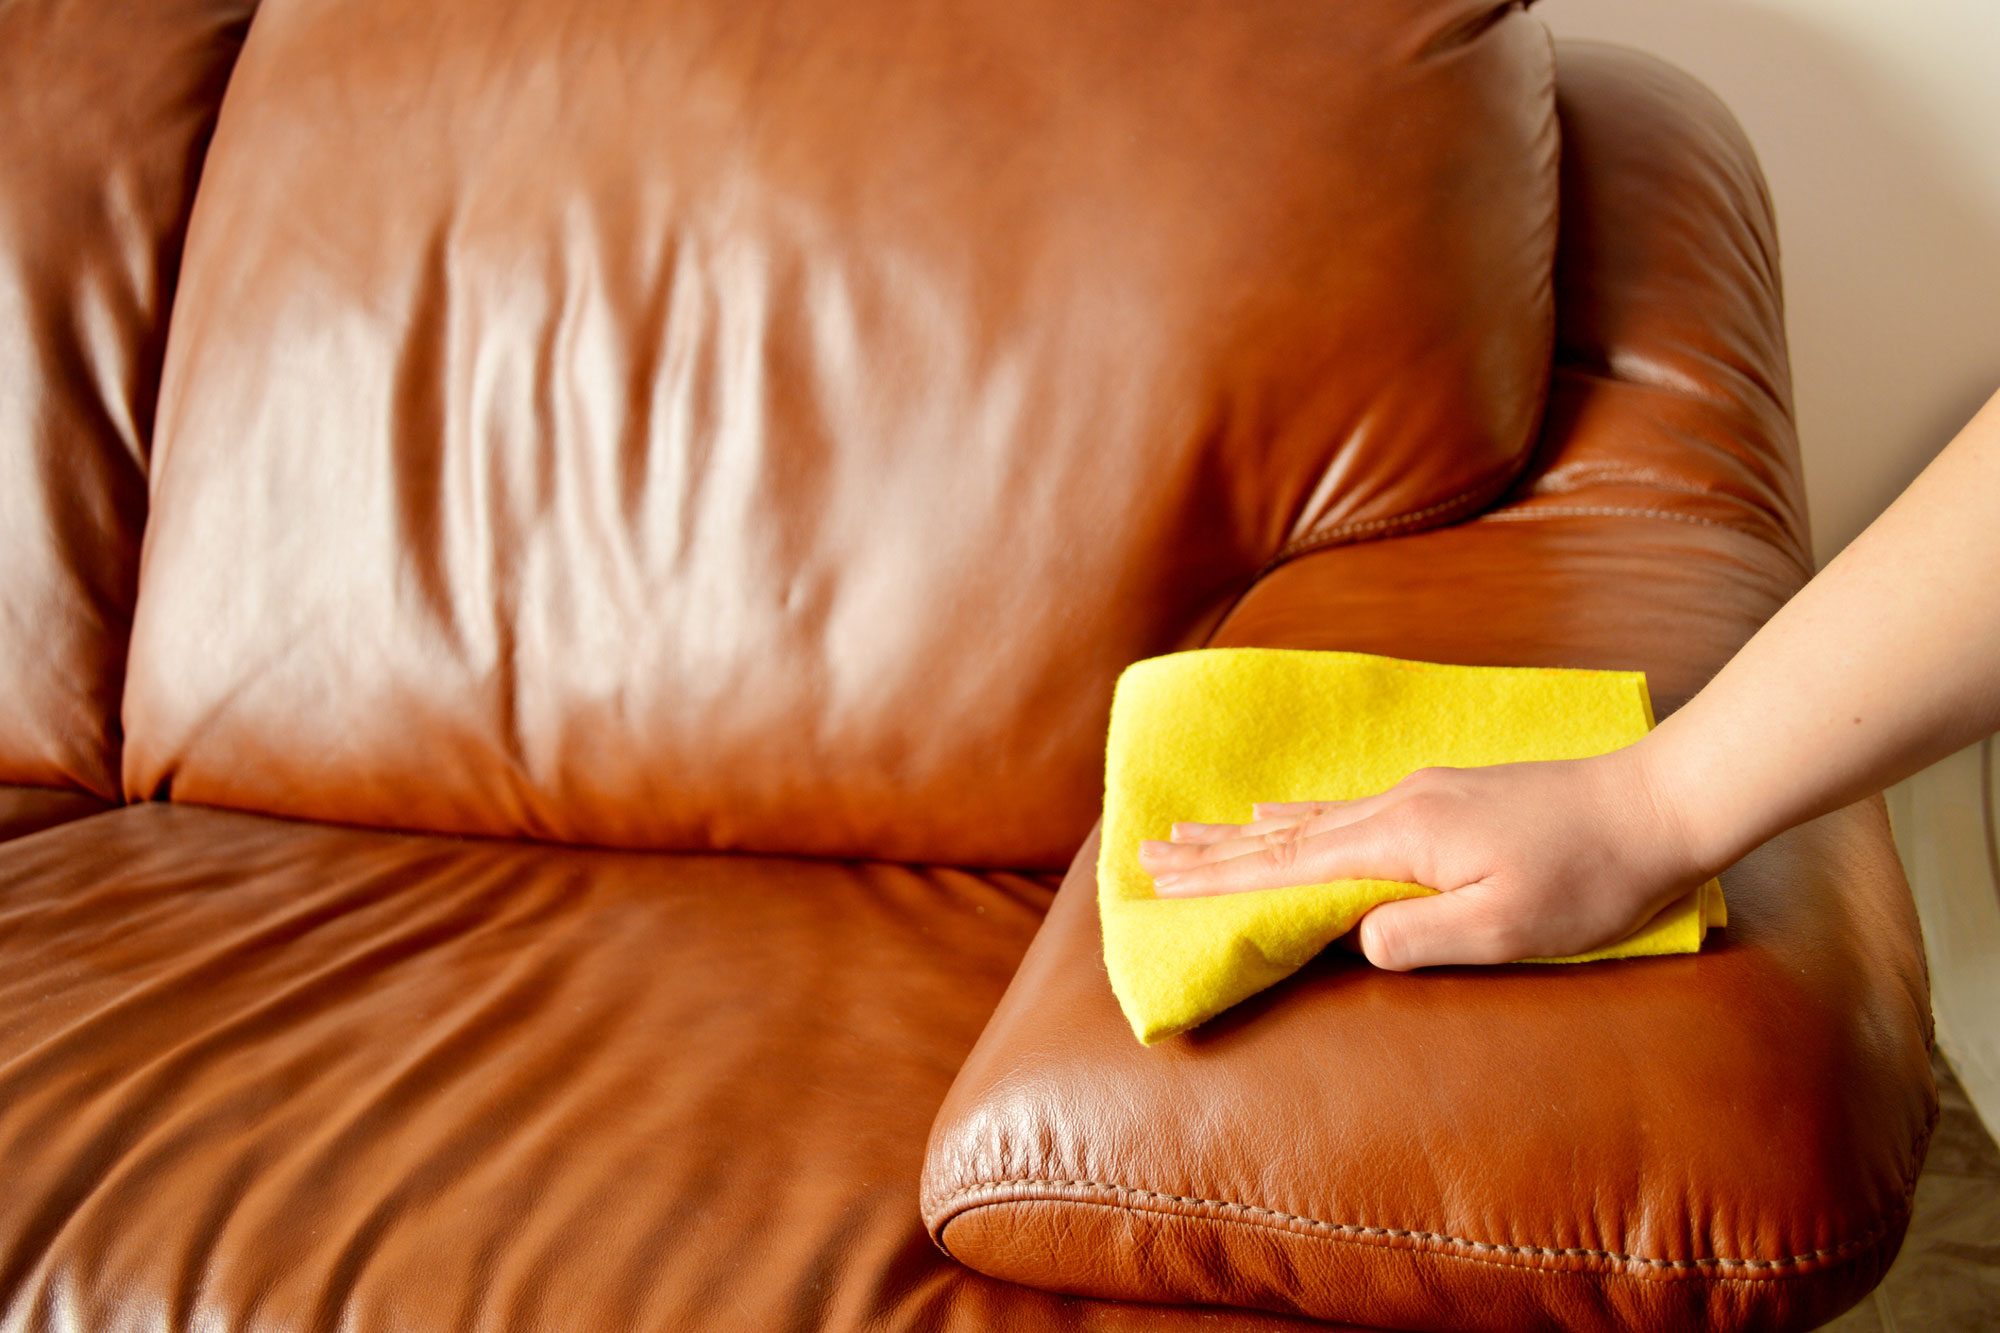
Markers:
{"x": 1531, "y": 860}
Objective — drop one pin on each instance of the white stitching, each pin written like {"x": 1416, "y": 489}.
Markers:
{"x": 1488, "y": 486}
{"x": 1397, "y": 1233}
{"x": 1532, "y": 511}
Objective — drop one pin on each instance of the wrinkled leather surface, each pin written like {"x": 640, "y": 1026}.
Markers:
{"x": 25, "y": 810}
{"x": 732, "y": 424}
{"x": 260, "y": 1074}
{"x": 105, "y": 108}
{"x": 1721, "y": 1141}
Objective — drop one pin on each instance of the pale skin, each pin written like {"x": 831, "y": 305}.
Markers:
{"x": 1886, "y": 661}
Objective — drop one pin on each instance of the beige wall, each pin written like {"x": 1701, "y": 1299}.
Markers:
{"x": 1878, "y": 123}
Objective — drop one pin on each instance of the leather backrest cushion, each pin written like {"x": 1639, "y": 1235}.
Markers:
{"x": 105, "y": 107}
{"x": 750, "y": 424}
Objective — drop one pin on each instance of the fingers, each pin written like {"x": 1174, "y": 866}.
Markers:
{"x": 1280, "y": 810}
{"x": 1361, "y": 849}
{"x": 1200, "y": 833}
{"x": 1470, "y": 925}
{"x": 1291, "y": 809}
{"x": 1158, "y": 858}
{"x": 1265, "y": 815}
{"x": 1164, "y": 857}
{"x": 1215, "y": 842}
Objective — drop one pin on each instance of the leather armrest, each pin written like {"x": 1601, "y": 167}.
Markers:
{"x": 1716, "y": 1141}
{"x": 1728, "y": 1140}
{"x": 1724, "y": 1140}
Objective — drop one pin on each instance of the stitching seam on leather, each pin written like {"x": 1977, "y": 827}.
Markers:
{"x": 1846, "y": 1248}
{"x": 1486, "y": 487}
{"x": 1528, "y": 513}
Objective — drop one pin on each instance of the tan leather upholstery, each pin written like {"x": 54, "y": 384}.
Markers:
{"x": 261, "y": 1074}
{"x": 759, "y": 431}
{"x": 105, "y": 108}
{"x": 1725, "y": 1140}
{"x": 719, "y": 426}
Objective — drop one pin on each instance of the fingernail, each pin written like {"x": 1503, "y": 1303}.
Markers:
{"x": 1165, "y": 881}
{"x": 1190, "y": 830}
{"x": 1152, "y": 848}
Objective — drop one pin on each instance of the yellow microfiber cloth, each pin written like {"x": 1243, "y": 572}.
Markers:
{"x": 1202, "y": 735}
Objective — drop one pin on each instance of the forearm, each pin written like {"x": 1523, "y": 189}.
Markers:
{"x": 1886, "y": 661}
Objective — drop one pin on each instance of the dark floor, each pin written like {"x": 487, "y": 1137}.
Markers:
{"x": 1948, "y": 1276}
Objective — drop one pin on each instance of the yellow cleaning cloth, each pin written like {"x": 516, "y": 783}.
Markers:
{"x": 1202, "y": 735}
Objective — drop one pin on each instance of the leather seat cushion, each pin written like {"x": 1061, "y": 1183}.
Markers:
{"x": 255, "y": 1073}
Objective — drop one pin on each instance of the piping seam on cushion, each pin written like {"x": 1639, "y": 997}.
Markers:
{"x": 1356, "y": 1230}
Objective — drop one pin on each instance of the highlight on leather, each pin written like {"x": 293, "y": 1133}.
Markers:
{"x": 1201, "y": 735}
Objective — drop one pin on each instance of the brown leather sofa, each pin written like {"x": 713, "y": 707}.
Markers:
{"x": 561, "y": 574}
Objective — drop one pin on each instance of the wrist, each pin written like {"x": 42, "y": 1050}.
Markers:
{"x": 1680, "y": 798}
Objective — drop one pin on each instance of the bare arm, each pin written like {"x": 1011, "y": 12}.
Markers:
{"x": 1886, "y": 661}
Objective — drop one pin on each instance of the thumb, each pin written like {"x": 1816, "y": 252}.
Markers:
{"x": 1468, "y": 925}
